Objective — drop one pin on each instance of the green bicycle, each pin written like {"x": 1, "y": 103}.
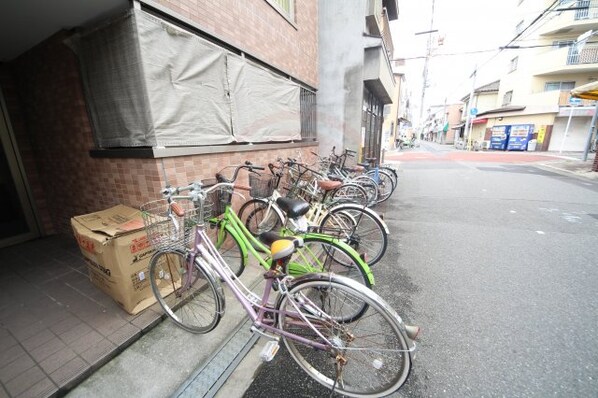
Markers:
{"x": 320, "y": 253}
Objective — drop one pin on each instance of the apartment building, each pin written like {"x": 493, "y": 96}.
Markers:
{"x": 355, "y": 73}
{"x": 397, "y": 115}
{"x": 105, "y": 102}
{"x": 541, "y": 68}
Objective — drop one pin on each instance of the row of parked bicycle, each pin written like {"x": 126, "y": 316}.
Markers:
{"x": 315, "y": 231}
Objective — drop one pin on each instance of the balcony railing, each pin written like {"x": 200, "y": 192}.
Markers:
{"x": 385, "y": 33}
{"x": 588, "y": 55}
{"x": 588, "y": 9}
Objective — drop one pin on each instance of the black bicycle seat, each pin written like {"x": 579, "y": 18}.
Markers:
{"x": 293, "y": 207}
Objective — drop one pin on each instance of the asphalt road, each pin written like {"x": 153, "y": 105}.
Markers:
{"x": 497, "y": 263}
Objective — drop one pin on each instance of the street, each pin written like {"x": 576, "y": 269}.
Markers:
{"x": 495, "y": 258}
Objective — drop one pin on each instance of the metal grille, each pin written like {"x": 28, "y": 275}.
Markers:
{"x": 308, "y": 115}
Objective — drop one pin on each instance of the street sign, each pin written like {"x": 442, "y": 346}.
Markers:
{"x": 574, "y": 101}
{"x": 473, "y": 111}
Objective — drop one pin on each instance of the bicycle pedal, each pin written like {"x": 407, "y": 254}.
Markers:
{"x": 269, "y": 351}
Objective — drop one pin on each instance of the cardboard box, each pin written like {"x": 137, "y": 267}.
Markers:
{"x": 117, "y": 252}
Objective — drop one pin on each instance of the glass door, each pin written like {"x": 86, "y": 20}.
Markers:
{"x": 17, "y": 221}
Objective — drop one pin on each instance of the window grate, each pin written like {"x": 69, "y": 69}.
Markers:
{"x": 308, "y": 115}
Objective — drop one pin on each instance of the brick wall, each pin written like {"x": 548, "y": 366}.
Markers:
{"x": 55, "y": 137}
{"x": 256, "y": 27}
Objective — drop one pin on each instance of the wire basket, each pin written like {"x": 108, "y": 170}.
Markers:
{"x": 262, "y": 186}
{"x": 216, "y": 202}
{"x": 165, "y": 229}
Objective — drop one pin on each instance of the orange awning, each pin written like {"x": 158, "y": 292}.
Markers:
{"x": 587, "y": 91}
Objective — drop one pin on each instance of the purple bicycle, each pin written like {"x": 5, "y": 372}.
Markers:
{"x": 314, "y": 314}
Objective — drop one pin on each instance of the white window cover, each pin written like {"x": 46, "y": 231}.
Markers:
{"x": 150, "y": 83}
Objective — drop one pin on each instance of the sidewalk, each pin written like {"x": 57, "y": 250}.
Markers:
{"x": 61, "y": 334}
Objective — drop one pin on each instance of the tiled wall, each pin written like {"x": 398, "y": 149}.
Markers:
{"x": 255, "y": 26}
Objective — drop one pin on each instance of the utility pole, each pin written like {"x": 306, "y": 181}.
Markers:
{"x": 426, "y": 61}
{"x": 469, "y": 107}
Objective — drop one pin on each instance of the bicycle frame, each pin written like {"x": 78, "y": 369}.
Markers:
{"x": 256, "y": 308}
{"x": 232, "y": 224}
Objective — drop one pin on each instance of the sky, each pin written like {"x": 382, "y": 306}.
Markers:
{"x": 470, "y": 28}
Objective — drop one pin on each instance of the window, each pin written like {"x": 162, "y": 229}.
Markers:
{"x": 506, "y": 99}
{"x": 562, "y": 43}
{"x": 513, "y": 65}
{"x": 560, "y": 86}
{"x": 285, "y": 7}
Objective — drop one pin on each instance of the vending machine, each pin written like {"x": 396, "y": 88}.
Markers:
{"x": 519, "y": 136}
{"x": 499, "y": 137}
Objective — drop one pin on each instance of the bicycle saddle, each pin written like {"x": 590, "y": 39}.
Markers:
{"x": 293, "y": 207}
{"x": 280, "y": 246}
{"x": 328, "y": 185}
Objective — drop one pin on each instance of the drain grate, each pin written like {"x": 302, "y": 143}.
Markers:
{"x": 207, "y": 380}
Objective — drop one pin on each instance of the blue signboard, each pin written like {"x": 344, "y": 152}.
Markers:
{"x": 519, "y": 136}
{"x": 499, "y": 137}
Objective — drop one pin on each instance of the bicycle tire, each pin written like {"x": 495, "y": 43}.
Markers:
{"x": 229, "y": 247}
{"x": 350, "y": 193}
{"x": 370, "y": 186}
{"x": 374, "y": 346}
{"x": 393, "y": 174}
{"x": 385, "y": 184}
{"x": 185, "y": 305}
{"x": 324, "y": 254}
{"x": 359, "y": 227}
{"x": 252, "y": 215}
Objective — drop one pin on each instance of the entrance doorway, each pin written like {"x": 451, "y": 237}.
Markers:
{"x": 17, "y": 220}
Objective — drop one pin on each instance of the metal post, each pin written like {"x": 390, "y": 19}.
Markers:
{"x": 566, "y": 130}
{"x": 469, "y": 106}
{"x": 592, "y": 129}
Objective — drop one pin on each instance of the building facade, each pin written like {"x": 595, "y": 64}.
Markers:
{"x": 540, "y": 69}
{"x": 355, "y": 74}
{"x": 85, "y": 128}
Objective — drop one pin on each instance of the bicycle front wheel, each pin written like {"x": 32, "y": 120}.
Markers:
{"x": 366, "y": 358}
{"x": 192, "y": 299}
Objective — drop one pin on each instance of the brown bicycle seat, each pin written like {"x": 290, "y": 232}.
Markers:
{"x": 329, "y": 185}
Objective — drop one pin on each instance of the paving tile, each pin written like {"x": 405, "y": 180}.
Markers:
{"x": 75, "y": 333}
{"x": 25, "y": 381}
{"x": 66, "y": 324}
{"x": 124, "y": 335}
{"x": 69, "y": 372}
{"x": 98, "y": 352}
{"x": 147, "y": 319}
{"x": 16, "y": 367}
{"x": 57, "y": 360}
{"x": 106, "y": 323}
{"x": 38, "y": 340}
{"x": 6, "y": 340}
{"x": 85, "y": 342}
{"x": 10, "y": 355}
{"x": 42, "y": 389}
{"x": 45, "y": 350}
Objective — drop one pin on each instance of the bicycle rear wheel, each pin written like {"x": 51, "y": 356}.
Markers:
{"x": 259, "y": 217}
{"x": 360, "y": 227}
{"x": 324, "y": 254}
{"x": 194, "y": 302}
{"x": 350, "y": 193}
{"x": 368, "y": 357}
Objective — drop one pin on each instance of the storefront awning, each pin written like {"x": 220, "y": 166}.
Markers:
{"x": 458, "y": 127}
{"x": 587, "y": 91}
{"x": 479, "y": 121}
